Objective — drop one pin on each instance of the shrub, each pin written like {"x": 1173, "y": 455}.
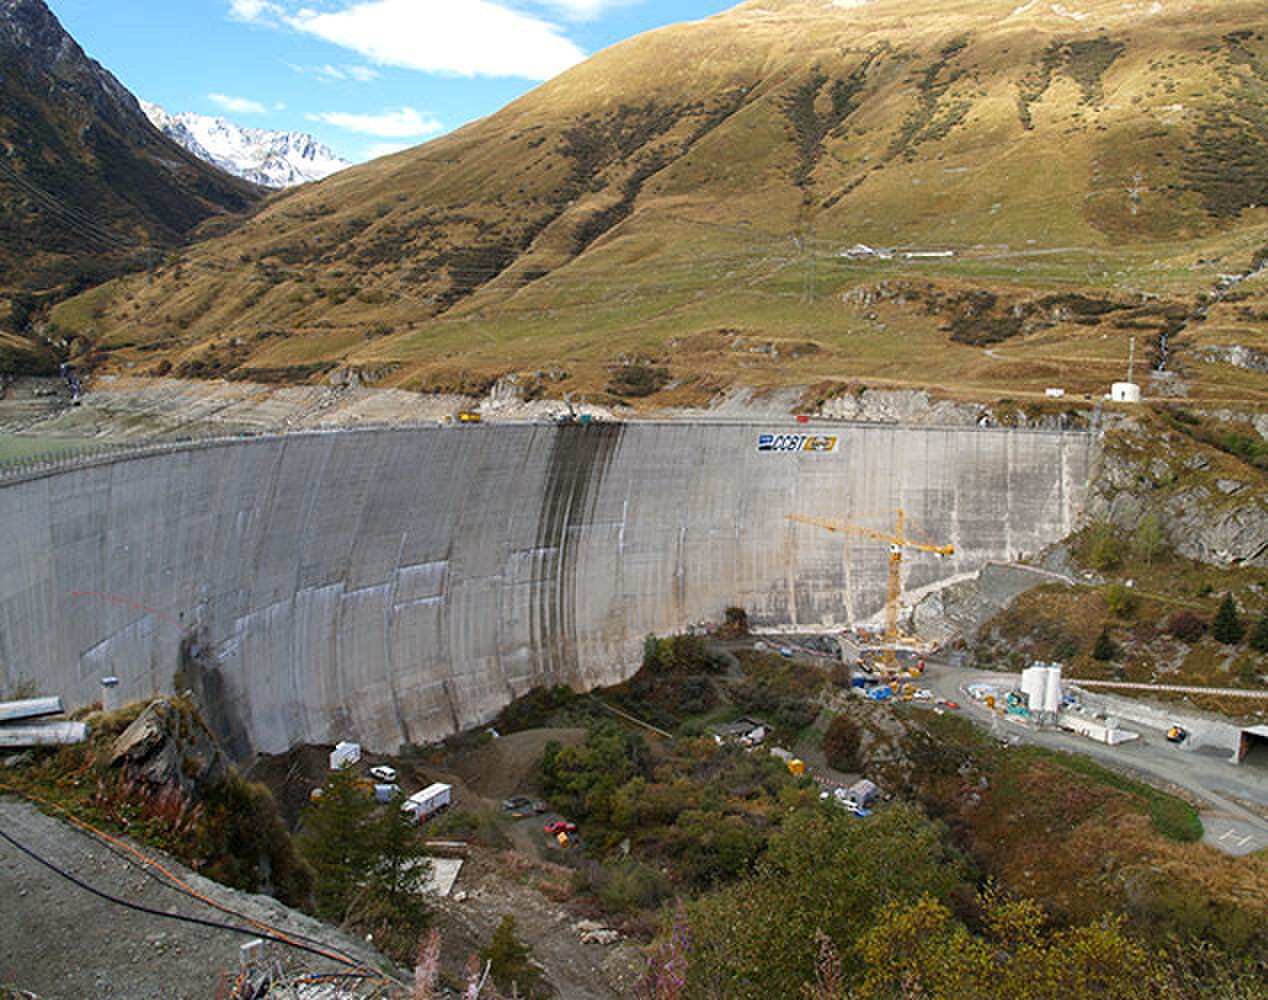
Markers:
{"x": 637, "y": 380}
{"x": 1105, "y": 548}
{"x": 841, "y": 744}
{"x": 631, "y": 886}
{"x": 1120, "y": 600}
{"x": 1186, "y": 626}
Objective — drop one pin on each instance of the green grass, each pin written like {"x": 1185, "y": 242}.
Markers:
{"x": 1171, "y": 817}
{"x": 14, "y": 448}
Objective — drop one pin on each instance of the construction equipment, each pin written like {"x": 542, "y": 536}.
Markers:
{"x": 898, "y": 540}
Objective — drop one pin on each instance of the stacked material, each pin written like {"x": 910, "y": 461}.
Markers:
{"x": 26, "y": 723}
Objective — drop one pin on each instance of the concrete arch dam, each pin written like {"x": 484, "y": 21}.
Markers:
{"x": 398, "y": 585}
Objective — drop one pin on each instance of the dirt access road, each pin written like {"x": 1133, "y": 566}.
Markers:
{"x": 61, "y": 942}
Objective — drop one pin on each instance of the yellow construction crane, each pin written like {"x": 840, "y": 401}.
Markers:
{"x": 897, "y": 542}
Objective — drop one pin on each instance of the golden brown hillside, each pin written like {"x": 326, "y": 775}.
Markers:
{"x": 1043, "y": 181}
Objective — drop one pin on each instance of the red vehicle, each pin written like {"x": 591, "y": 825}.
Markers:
{"x": 560, "y": 826}
{"x": 953, "y": 704}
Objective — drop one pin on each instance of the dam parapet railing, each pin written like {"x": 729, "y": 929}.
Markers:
{"x": 41, "y": 464}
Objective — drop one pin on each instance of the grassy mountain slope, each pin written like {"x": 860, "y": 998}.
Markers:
{"x": 88, "y": 188}
{"x": 682, "y": 200}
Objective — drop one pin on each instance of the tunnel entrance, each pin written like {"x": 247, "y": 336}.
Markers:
{"x": 1252, "y": 747}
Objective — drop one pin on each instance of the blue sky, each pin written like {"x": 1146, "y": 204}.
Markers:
{"x": 366, "y": 77}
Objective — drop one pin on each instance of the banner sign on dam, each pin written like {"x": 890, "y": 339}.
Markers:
{"x": 821, "y": 443}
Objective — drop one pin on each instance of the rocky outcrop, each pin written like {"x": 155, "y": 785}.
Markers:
{"x": 964, "y": 607}
{"x": 169, "y": 746}
{"x": 1208, "y": 507}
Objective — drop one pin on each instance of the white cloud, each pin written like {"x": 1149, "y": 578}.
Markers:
{"x": 586, "y": 10}
{"x": 403, "y": 123}
{"x": 330, "y": 73}
{"x": 237, "y": 105}
{"x": 377, "y": 149}
{"x": 253, "y": 10}
{"x": 466, "y": 38}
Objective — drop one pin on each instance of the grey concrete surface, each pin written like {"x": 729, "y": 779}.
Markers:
{"x": 396, "y": 585}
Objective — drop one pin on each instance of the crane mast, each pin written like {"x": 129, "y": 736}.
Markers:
{"x": 897, "y": 541}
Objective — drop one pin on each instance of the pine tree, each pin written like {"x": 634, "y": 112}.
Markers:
{"x": 1104, "y": 648}
{"x": 332, "y": 840}
{"x": 1259, "y": 637}
{"x": 1227, "y": 626}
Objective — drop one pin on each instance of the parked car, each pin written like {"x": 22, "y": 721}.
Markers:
{"x": 560, "y": 826}
{"x": 383, "y": 773}
{"x": 515, "y": 803}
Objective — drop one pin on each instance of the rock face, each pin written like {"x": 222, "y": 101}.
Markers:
{"x": 262, "y": 156}
{"x": 1204, "y": 512}
{"x": 86, "y": 182}
{"x": 169, "y": 746}
{"x": 964, "y": 607}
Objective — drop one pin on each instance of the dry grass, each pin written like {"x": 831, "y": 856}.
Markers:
{"x": 466, "y": 253}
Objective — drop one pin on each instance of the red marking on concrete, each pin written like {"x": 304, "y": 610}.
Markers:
{"x": 131, "y": 604}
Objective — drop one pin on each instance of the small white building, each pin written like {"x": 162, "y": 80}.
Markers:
{"x": 1125, "y": 392}
{"x": 345, "y": 754}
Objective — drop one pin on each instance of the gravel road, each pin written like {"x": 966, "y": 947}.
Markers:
{"x": 61, "y": 942}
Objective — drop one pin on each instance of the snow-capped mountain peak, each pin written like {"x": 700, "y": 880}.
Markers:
{"x": 272, "y": 159}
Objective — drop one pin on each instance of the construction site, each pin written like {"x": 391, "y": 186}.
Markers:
{"x": 391, "y": 589}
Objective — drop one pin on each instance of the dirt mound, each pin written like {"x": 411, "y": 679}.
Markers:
{"x": 508, "y": 764}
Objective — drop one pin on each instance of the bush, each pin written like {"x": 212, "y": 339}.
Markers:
{"x": 631, "y": 886}
{"x": 1120, "y": 600}
{"x": 1105, "y": 548}
{"x": 841, "y": 744}
{"x": 1104, "y": 649}
{"x": 634, "y": 380}
{"x": 1186, "y": 626}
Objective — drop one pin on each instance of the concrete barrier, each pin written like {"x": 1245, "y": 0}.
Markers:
{"x": 396, "y": 585}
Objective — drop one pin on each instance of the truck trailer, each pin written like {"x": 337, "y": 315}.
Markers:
{"x": 421, "y": 806}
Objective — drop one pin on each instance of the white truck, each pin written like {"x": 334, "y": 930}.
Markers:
{"x": 421, "y": 806}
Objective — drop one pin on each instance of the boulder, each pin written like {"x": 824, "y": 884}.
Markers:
{"x": 169, "y": 745}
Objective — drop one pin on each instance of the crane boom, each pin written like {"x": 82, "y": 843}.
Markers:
{"x": 897, "y": 542}
{"x": 897, "y": 538}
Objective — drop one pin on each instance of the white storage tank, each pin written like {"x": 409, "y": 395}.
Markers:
{"x": 1125, "y": 392}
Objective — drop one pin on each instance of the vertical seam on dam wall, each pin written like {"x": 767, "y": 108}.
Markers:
{"x": 579, "y": 459}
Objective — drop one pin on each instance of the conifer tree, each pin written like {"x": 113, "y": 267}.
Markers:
{"x": 1227, "y": 626}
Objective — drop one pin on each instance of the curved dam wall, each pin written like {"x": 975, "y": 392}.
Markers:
{"x": 397, "y": 585}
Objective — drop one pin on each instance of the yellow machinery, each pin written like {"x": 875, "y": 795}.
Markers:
{"x": 897, "y": 540}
